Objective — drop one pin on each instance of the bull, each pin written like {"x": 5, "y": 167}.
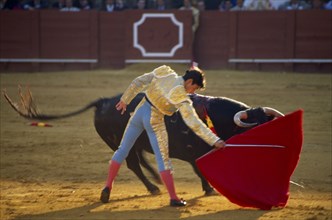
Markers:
{"x": 229, "y": 117}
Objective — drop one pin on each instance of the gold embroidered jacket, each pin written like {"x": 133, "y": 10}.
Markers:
{"x": 165, "y": 89}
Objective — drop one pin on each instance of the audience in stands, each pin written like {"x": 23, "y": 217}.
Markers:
{"x": 201, "y": 5}
{"x": 257, "y": 5}
{"x": 84, "y": 5}
{"x": 98, "y": 5}
{"x": 239, "y": 6}
{"x": 109, "y": 5}
{"x": 317, "y": 4}
{"x": 12, "y": 5}
{"x": 328, "y": 5}
{"x": 275, "y": 4}
{"x": 131, "y": 4}
{"x": 212, "y": 4}
{"x": 295, "y": 5}
{"x": 161, "y": 5}
{"x": 141, "y": 4}
{"x": 69, "y": 6}
{"x": 114, "y": 5}
{"x": 176, "y": 4}
{"x": 225, "y": 5}
{"x": 34, "y": 4}
{"x": 149, "y": 4}
{"x": 59, "y": 4}
{"x": 187, "y": 5}
{"x": 120, "y": 5}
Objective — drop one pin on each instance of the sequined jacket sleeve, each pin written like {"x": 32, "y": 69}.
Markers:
{"x": 137, "y": 86}
{"x": 192, "y": 120}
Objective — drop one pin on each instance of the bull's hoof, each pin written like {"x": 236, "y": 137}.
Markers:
{"x": 211, "y": 192}
{"x": 105, "y": 195}
{"x": 155, "y": 191}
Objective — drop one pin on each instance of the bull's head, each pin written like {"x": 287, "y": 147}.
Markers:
{"x": 248, "y": 114}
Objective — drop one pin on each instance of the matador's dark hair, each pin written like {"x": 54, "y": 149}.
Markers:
{"x": 197, "y": 75}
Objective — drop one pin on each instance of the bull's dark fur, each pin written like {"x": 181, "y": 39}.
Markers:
{"x": 183, "y": 143}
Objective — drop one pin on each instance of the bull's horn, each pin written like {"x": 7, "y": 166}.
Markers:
{"x": 272, "y": 112}
{"x": 242, "y": 115}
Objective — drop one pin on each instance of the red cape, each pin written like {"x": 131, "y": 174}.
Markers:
{"x": 256, "y": 171}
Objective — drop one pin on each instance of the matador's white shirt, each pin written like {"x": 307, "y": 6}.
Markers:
{"x": 165, "y": 89}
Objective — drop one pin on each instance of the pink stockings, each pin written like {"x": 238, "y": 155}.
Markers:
{"x": 166, "y": 176}
{"x": 112, "y": 172}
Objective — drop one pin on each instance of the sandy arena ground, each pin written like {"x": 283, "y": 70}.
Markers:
{"x": 57, "y": 172}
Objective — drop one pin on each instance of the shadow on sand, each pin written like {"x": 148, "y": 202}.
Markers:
{"x": 103, "y": 211}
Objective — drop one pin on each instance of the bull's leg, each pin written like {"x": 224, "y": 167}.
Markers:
{"x": 205, "y": 185}
{"x": 133, "y": 164}
{"x": 149, "y": 168}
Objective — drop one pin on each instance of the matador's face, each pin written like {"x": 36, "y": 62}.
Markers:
{"x": 190, "y": 87}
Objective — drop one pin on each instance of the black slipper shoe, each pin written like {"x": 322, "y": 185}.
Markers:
{"x": 175, "y": 202}
{"x": 105, "y": 195}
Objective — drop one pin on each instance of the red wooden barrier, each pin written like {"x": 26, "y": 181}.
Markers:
{"x": 313, "y": 39}
{"x": 19, "y": 38}
{"x": 213, "y": 40}
{"x": 112, "y": 40}
{"x": 66, "y": 35}
{"x": 256, "y": 40}
{"x": 157, "y": 36}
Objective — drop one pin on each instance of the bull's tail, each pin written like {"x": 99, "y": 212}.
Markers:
{"x": 28, "y": 108}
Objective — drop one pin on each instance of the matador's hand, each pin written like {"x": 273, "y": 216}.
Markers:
{"x": 121, "y": 106}
{"x": 220, "y": 144}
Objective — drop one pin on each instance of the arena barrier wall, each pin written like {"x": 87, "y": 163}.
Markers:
{"x": 50, "y": 40}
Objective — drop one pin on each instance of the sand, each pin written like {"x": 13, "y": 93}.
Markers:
{"x": 58, "y": 172}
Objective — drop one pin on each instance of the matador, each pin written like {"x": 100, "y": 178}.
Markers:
{"x": 165, "y": 93}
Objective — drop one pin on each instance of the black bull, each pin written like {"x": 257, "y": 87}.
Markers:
{"x": 183, "y": 143}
